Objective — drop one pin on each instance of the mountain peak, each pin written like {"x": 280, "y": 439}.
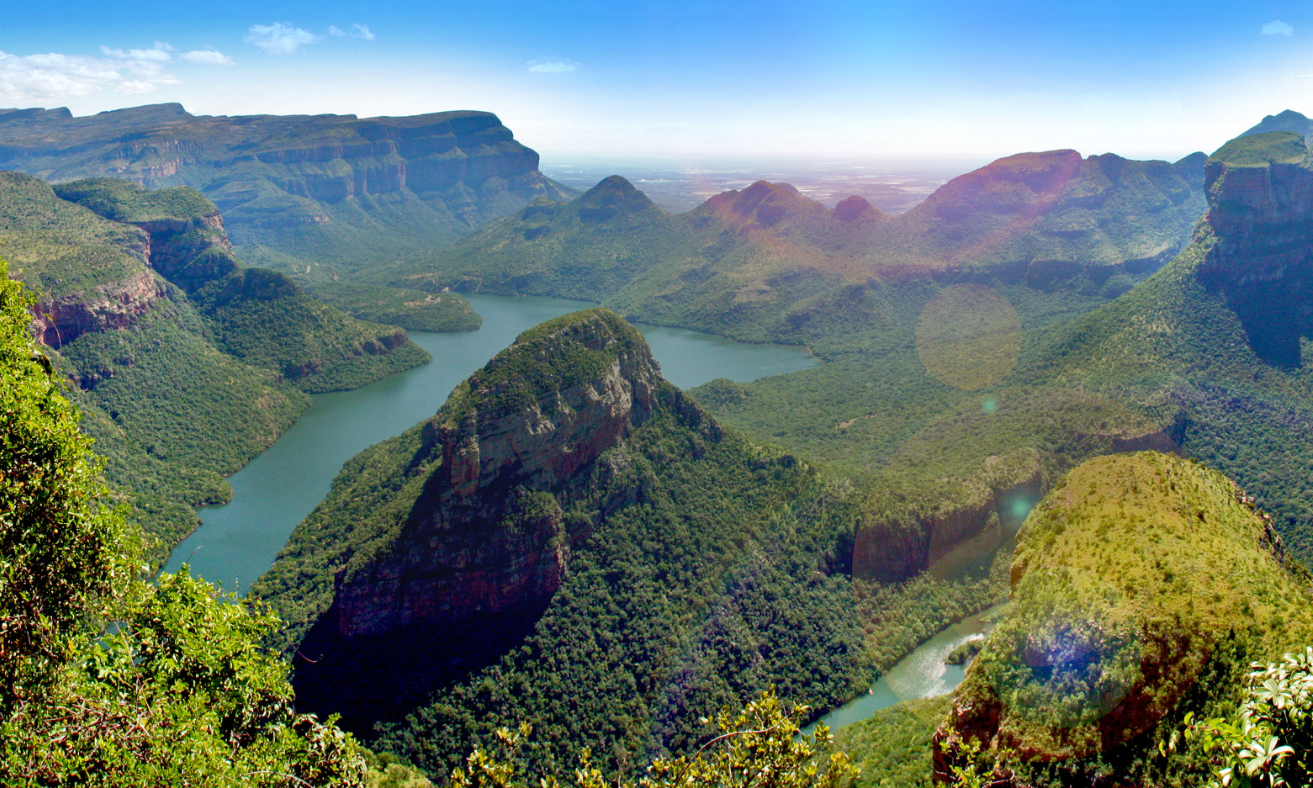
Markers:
{"x": 1289, "y": 120}
{"x": 855, "y": 208}
{"x": 765, "y": 202}
{"x": 578, "y": 381}
{"x": 611, "y": 197}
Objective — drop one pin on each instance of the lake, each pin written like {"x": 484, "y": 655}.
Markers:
{"x": 238, "y": 541}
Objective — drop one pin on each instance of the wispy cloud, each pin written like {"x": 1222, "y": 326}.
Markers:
{"x": 39, "y": 79}
{"x": 44, "y": 78}
{"x": 552, "y": 65}
{"x": 357, "y": 31}
{"x": 1277, "y": 28}
{"x": 160, "y": 53}
{"x": 207, "y": 57}
{"x": 280, "y": 38}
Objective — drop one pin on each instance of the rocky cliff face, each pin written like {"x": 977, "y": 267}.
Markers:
{"x": 1260, "y": 197}
{"x": 103, "y": 308}
{"x": 425, "y": 179}
{"x": 488, "y": 541}
{"x": 491, "y": 536}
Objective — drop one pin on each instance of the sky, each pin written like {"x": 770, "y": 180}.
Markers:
{"x": 698, "y": 79}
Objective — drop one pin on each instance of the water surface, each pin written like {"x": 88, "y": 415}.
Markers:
{"x": 921, "y": 674}
{"x": 238, "y": 541}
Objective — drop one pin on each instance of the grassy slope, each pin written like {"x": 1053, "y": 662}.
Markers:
{"x": 1134, "y": 584}
{"x": 1172, "y": 348}
{"x": 61, "y": 249}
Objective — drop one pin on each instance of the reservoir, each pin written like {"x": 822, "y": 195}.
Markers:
{"x": 238, "y": 541}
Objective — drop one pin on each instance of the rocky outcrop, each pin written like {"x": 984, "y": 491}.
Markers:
{"x": 896, "y": 549}
{"x": 490, "y": 536}
{"x": 1260, "y": 197}
{"x": 110, "y": 306}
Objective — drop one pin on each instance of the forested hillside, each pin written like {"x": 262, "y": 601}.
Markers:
{"x": 185, "y": 362}
{"x": 571, "y": 541}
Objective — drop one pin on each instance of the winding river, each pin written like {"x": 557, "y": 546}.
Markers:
{"x": 238, "y": 541}
{"x": 921, "y": 674}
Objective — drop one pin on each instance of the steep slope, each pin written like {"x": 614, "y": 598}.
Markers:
{"x": 156, "y": 371}
{"x": 306, "y": 195}
{"x": 571, "y": 541}
{"x": 1210, "y": 343}
{"x": 1047, "y": 218}
{"x": 1142, "y": 587}
{"x": 259, "y": 316}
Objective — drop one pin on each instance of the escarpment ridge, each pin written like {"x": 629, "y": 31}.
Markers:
{"x": 307, "y": 195}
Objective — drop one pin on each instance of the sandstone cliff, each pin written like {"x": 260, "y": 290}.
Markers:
{"x": 258, "y": 315}
{"x": 1260, "y": 197}
{"x": 487, "y": 539}
{"x": 324, "y": 190}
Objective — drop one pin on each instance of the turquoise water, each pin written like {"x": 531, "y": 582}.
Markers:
{"x": 921, "y": 674}
{"x": 238, "y": 541}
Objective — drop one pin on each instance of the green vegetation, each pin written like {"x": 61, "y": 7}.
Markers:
{"x": 59, "y": 542}
{"x": 109, "y": 680}
{"x": 1268, "y": 743}
{"x": 173, "y": 414}
{"x": 759, "y": 745}
{"x": 892, "y": 748}
{"x": 964, "y": 653}
{"x": 712, "y": 568}
{"x": 60, "y": 248}
{"x": 131, "y": 203}
{"x": 257, "y": 315}
{"x": 313, "y": 197}
{"x": 1142, "y": 585}
{"x": 1262, "y": 150}
{"x": 179, "y": 387}
{"x": 413, "y": 310}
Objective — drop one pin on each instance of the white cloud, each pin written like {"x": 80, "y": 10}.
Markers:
{"x": 1277, "y": 28}
{"x": 279, "y": 38}
{"x": 207, "y": 57}
{"x": 42, "y": 79}
{"x": 357, "y": 31}
{"x": 552, "y": 65}
{"x": 160, "y": 53}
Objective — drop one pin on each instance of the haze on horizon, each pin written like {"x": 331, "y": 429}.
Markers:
{"x": 697, "y": 81}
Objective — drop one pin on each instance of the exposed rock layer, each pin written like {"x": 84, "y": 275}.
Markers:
{"x": 484, "y": 543}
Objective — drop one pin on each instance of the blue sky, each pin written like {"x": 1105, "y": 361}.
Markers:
{"x": 698, "y": 80}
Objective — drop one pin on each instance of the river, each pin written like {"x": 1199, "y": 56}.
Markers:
{"x": 921, "y": 674}
{"x": 238, "y": 541}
